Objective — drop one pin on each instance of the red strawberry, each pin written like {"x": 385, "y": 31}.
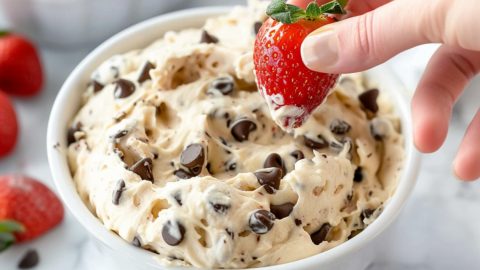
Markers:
{"x": 20, "y": 68}
{"x": 8, "y": 125}
{"x": 30, "y": 203}
{"x": 292, "y": 91}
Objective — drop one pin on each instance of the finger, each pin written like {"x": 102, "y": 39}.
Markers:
{"x": 467, "y": 162}
{"x": 446, "y": 75}
{"x": 364, "y": 41}
{"x": 361, "y": 6}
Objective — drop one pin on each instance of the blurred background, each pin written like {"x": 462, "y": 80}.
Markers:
{"x": 437, "y": 230}
{"x": 71, "y": 24}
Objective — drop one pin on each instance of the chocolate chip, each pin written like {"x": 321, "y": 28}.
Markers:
{"x": 378, "y": 129}
{"x": 115, "y": 71}
{"x": 207, "y": 38}
{"x": 117, "y": 193}
{"x": 173, "y": 232}
{"x": 319, "y": 143}
{"x": 241, "y": 129}
{"x": 97, "y": 87}
{"x": 224, "y": 85}
{"x": 338, "y": 146}
{"x": 144, "y": 169}
{"x": 224, "y": 142}
{"x": 123, "y": 88}
{"x": 319, "y": 236}
{"x": 369, "y": 100}
{"x": 269, "y": 178}
{"x": 220, "y": 208}
{"x": 358, "y": 175}
{"x": 261, "y": 221}
{"x": 178, "y": 198}
{"x": 232, "y": 167}
{"x": 29, "y": 260}
{"x": 366, "y": 213}
{"x": 230, "y": 233}
{"x": 297, "y": 155}
{"x": 193, "y": 158}
{"x": 354, "y": 233}
{"x": 71, "y": 132}
{"x": 298, "y": 222}
{"x": 209, "y": 168}
{"x": 339, "y": 127}
{"x": 145, "y": 72}
{"x": 136, "y": 241}
{"x": 120, "y": 134}
{"x": 256, "y": 27}
{"x": 182, "y": 174}
{"x": 282, "y": 210}
{"x": 275, "y": 161}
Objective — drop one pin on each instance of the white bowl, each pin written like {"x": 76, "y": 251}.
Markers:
{"x": 353, "y": 254}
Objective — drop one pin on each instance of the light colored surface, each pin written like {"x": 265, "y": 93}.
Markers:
{"x": 437, "y": 230}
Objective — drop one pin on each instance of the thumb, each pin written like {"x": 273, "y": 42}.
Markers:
{"x": 361, "y": 42}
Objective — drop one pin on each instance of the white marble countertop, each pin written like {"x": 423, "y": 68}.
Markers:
{"x": 438, "y": 229}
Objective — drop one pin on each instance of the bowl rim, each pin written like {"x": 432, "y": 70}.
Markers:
{"x": 57, "y": 155}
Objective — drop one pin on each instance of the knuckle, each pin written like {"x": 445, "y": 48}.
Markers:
{"x": 434, "y": 22}
{"x": 364, "y": 35}
{"x": 464, "y": 65}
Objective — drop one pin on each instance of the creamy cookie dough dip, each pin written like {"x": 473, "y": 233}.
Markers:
{"x": 175, "y": 151}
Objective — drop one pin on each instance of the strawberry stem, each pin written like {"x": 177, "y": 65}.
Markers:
{"x": 6, "y": 240}
{"x": 280, "y": 11}
{"x": 7, "y": 230}
{"x": 4, "y": 33}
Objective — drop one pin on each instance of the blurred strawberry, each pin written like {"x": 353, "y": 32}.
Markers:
{"x": 8, "y": 125}
{"x": 28, "y": 209}
{"x": 20, "y": 68}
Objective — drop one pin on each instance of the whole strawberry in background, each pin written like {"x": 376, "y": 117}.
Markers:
{"x": 291, "y": 90}
{"x": 28, "y": 209}
{"x": 20, "y": 67}
{"x": 8, "y": 125}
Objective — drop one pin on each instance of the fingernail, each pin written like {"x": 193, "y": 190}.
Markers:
{"x": 320, "y": 50}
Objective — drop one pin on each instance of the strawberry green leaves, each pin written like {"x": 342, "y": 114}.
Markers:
{"x": 7, "y": 230}
{"x": 280, "y": 11}
{"x": 334, "y": 7}
{"x": 313, "y": 10}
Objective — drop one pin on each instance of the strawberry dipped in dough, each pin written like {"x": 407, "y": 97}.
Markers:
{"x": 291, "y": 90}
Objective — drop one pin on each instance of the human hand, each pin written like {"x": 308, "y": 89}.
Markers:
{"x": 376, "y": 30}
